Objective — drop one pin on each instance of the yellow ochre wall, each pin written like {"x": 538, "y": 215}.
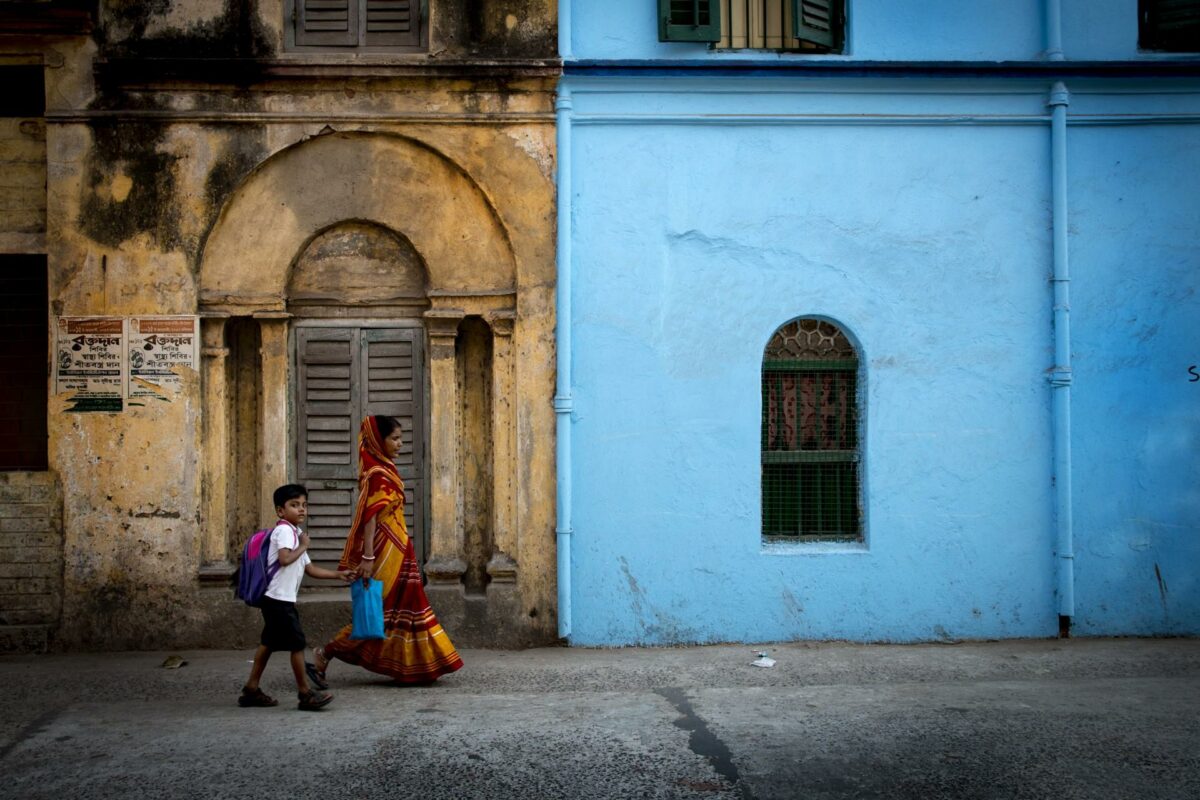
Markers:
{"x": 190, "y": 161}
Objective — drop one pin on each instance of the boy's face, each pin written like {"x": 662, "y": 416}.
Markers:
{"x": 295, "y": 510}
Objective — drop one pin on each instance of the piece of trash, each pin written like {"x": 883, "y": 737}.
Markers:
{"x": 173, "y": 662}
{"x": 763, "y": 660}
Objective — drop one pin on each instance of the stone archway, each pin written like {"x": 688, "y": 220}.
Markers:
{"x": 375, "y": 181}
{"x": 392, "y": 181}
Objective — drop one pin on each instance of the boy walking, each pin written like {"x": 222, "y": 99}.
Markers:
{"x": 281, "y": 621}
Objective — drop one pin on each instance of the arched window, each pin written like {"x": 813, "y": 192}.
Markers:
{"x": 810, "y": 435}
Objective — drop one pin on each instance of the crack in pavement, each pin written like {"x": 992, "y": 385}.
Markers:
{"x": 35, "y": 726}
{"x": 702, "y": 741}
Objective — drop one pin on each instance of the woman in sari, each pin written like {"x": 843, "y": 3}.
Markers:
{"x": 414, "y": 649}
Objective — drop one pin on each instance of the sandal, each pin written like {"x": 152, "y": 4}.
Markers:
{"x": 256, "y": 698}
{"x": 317, "y": 676}
{"x": 313, "y": 701}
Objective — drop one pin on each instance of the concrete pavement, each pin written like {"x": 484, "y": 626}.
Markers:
{"x": 1019, "y": 719}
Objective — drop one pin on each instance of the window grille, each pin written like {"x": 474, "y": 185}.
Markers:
{"x": 810, "y": 435}
{"x": 689, "y": 20}
{"x": 1169, "y": 25}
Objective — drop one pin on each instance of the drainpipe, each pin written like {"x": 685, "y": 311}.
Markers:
{"x": 562, "y": 342}
{"x": 1060, "y": 375}
{"x": 1054, "y": 51}
{"x": 564, "y": 29}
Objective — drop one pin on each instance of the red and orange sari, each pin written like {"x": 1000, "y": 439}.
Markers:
{"x": 414, "y": 649}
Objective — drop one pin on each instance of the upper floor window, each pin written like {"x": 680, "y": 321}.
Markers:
{"x": 1169, "y": 25}
{"x": 811, "y": 450}
{"x": 359, "y": 25}
{"x": 815, "y": 26}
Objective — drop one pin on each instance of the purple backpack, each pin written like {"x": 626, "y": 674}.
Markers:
{"x": 255, "y": 574}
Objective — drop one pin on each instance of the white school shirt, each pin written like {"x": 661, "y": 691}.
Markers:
{"x": 286, "y": 583}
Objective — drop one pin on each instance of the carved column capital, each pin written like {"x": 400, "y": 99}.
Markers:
{"x": 212, "y": 337}
{"x": 502, "y": 568}
{"x": 443, "y": 321}
{"x": 445, "y": 569}
{"x": 442, "y": 325}
{"x": 501, "y": 322}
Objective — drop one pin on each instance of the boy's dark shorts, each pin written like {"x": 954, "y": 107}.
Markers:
{"x": 281, "y": 626}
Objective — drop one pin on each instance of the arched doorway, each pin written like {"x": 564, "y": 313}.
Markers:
{"x": 373, "y": 274}
{"x": 357, "y": 294}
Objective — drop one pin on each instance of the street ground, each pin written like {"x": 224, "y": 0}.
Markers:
{"x": 1017, "y": 719}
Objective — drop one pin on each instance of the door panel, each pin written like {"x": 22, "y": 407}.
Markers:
{"x": 394, "y": 380}
{"x": 329, "y": 400}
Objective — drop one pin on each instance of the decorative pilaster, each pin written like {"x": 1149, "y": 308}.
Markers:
{"x": 215, "y": 563}
{"x": 273, "y": 431}
{"x": 502, "y": 566}
{"x": 445, "y": 564}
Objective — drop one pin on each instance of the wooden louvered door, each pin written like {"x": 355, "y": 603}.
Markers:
{"x": 344, "y": 374}
{"x": 393, "y": 382}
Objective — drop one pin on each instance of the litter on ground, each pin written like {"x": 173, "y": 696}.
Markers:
{"x": 763, "y": 660}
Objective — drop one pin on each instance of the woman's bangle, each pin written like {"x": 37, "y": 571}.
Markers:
{"x": 368, "y": 558}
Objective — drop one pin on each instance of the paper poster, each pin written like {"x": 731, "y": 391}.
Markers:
{"x": 89, "y": 360}
{"x": 159, "y": 348}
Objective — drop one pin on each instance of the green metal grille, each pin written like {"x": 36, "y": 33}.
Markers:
{"x": 810, "y": 502}
{"x": 810, "y": 438}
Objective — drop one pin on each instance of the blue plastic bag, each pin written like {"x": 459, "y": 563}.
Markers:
{"x": 367, "y": 614}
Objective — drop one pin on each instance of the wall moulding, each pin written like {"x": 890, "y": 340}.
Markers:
{"x": 489, "y": 119}
{"x": 882, "y": 120}
{"x": 140, "y": 72}
{"x": 212, "y": 305}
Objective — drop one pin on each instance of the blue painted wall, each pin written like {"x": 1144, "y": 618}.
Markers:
{"x": 926, "y": 30}
{"x": 708, "y": 210}
{"x": 1136, "y": 328}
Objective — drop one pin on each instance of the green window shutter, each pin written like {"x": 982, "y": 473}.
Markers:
{"x": 689, "y": 21}
{"x": 1169, "y": 25}
{"x": 819, "y": 22}
{"x": 327, "y": 23}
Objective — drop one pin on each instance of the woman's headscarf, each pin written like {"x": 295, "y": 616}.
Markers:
{"x": 380, "y": 495}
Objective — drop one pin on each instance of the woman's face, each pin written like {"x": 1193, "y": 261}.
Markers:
{"x": 391, "y": 445}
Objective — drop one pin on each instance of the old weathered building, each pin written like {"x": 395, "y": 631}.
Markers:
{"x": 875, "y": 321}
{"x": 356, "y": 201}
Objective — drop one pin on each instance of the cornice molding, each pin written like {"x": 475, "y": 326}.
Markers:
{"x": 149, "y": 72}
{"x": 27, "y": 18}
{"x": 837, "y": 68}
